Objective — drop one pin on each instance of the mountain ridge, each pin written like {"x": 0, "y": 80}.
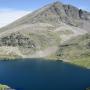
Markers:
{"x": 58, "y": 9}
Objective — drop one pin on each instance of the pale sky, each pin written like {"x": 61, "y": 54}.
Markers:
{"x": 10, "y": 10}
{"x": 9, "y": 15}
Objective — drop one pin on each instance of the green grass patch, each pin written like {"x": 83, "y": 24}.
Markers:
{"x": 83, "y": 62}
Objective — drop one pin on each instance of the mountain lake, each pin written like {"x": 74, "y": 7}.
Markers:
{"x": 38, "y": 74}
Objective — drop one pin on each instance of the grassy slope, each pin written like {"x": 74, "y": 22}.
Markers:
{"x": 84, "y": 62}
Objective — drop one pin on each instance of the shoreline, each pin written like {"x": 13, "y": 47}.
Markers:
{"x": 45, "y": 59}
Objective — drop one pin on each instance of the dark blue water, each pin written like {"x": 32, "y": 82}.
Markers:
{"x": 43, "y": 75}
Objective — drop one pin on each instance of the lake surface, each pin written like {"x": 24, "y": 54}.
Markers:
{"x": 43, "y": 75}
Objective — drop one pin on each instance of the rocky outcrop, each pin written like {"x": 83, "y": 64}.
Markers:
{"x": 17, "y": 39}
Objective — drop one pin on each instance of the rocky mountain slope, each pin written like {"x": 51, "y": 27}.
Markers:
{"x": 78, "y": 47}
{"x": 54, "y": 31}
{"x": 76, "y": 50}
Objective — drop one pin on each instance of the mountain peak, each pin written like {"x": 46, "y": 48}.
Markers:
{"x": 55, "y": 13}
{"x": 57, "y": 2}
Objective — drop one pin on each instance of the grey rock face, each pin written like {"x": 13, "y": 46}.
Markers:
{"x": 17, "y": 39}
{"x": 71, "y": 11}
{"x": 84, "y": 15}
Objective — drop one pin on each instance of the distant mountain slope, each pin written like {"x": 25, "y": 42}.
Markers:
{"x": 54, "y": 14}
{"x": 55, "y": 31}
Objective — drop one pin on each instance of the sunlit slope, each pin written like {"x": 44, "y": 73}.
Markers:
{"x": 44, "y": 32}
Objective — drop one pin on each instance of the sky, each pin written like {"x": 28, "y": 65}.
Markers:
{"x": 10, "y": 10}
